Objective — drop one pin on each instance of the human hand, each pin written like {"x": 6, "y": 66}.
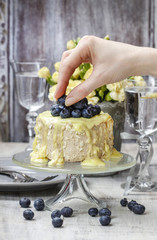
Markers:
{"x": 112, "y": 62}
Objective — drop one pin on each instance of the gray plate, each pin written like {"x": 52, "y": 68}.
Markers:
{"x": 7, "y": 184}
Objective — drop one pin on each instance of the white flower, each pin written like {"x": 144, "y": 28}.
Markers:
{"x": 76, "y": 73}
{"x": 55, "y": 76}
{"x": 89, "y": 72}
{"x": 44, "y": 73}
{"x": 57, "y": 65}
{"x": 71, "y": 44}
{"x": 93, "y": 100}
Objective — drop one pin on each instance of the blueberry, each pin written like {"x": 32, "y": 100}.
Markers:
{"x": 76, "y": 113}
{"x": 81, "y": 104}
{"x": 105, "y": 220}
{"x": 28, "y": 214}
{"x": 138, "y": 209}
{"x": 93, "y": 212}
{"x": 67, "y": 211}
{"x": 55, "y": 213}
{"x": 57, "y": 222}
{"x": 87, "y": 113}
{"x": 66, "y": 112}
{"x": 131, "y": 204}
{"x": 98, "y": 109}
{"x": 39, "y": 204}
{"x": 56, "y": 109}
{"x": 24, "y": 202}
{"x": 61, "y": 100}
{"x": 123, "y": 202}
{"x": 104, "y": 212}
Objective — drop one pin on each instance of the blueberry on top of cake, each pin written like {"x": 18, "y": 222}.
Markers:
{"x": 77, "y": 110}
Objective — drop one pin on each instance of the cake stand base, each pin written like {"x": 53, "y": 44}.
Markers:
{"x": 74, "y": 188}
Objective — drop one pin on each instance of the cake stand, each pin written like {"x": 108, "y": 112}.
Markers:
{"x": 75, "y": 187}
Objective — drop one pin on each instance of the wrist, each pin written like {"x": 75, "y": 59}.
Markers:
{"x": 144, "y": 61}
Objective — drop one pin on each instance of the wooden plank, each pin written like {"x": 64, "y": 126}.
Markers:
{"x": 40, "y": 29}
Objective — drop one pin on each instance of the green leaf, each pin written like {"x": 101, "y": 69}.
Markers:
{"x": 108, "y": 97}
{"x": 101, "y": 95}
{"x": 50, "y": 81}
{"x": 104, "y": 88}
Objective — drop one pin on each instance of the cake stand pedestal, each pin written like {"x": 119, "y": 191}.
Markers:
{"x": 75, "y": 186}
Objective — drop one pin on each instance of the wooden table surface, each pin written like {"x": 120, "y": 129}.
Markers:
{"x": 124, "y": 223}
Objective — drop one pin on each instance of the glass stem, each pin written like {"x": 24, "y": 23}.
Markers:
{"x": 139, "y": 176}
{"x": 31, "y": 118}
{"x": 144, "y": 159}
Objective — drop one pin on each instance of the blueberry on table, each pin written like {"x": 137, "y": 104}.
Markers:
{"x": 76, "y": 113}
{"x": 28, "y": 214}
{"x": 105, "y": 220}
{"x": 39, "y": 204}
{"x": 138, "y": 209}
{"x": 57, "y": 222}
{"x": 81, "y": 104}
{"x": 55, "y": 213}
{"x": 93, "y": 212}
{"x": 67, "y": 211}
{"x": 104, "y": 212}
{"x": 61, "y": 100}
{"x": 66, "y": 112}
{"x": 131, "y": 204}
{"x": 123, "y": 202}
{"x": 24, "y": 202}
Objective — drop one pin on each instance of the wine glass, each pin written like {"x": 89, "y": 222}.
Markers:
{"x": 140, "y": 108}
{"x": 31, "y": 91}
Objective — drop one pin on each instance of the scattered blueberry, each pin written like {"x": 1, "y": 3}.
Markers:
{"x": 56, "y": 109}
{"x": 104, "y": 212}
{"x": 131, "y": 204}
{"x": 81, "y": 104}
{"x": 24, "y": 202}
{"x": 65, "y": 113}
{"x": 39, "y": 204}
{"x": 76, "y": 113}
{"x": 28, "y": 214}
{"x": 57, "y": 222}
{"x": 61, "y": 100}
{"x": 55, "y": 213}
{"x": 138, "y": 209}
{"x": 67, "y": 211}
{"x": 87, "y": 113}
{"x": 93, "y": 212}
{"x": 123, "y": 202}
{"x": 105, "y": 220}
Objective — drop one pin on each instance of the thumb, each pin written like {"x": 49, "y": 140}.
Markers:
{"x": 82, "y": 90}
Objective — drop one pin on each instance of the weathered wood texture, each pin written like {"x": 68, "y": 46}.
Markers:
{"x": 41, "y": 28}
{"x": 3, "y": 72}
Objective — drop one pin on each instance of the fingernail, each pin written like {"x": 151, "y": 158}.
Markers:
{"x": 69, "y": 101}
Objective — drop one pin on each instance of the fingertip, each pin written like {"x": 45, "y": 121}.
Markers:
{"x": 69, "y": 101}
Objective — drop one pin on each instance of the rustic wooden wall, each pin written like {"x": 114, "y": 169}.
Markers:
{"x": 41, "y": 28}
